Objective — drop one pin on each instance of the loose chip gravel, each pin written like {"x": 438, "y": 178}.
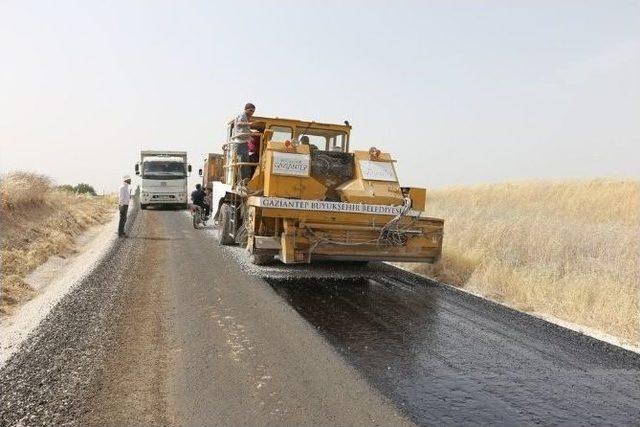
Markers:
{"x": 48, "y": 380}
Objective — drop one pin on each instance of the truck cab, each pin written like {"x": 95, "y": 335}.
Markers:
{"x": 163, "y": 178}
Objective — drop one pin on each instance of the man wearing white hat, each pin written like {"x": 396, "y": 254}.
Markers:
{"x": 123, "y": 204}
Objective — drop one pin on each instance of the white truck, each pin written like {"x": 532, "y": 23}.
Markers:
{"x": 164, "y": 178}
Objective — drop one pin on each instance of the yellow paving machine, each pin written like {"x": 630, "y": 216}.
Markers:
{"x": 306, "y": 197}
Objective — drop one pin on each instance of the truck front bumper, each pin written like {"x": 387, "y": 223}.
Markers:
{"x": 148, "y": 198}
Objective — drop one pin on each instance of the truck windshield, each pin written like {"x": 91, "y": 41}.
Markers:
{"x": 163, "y": 170}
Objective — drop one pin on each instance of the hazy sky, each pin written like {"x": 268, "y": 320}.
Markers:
{"x": 459, "y": 92}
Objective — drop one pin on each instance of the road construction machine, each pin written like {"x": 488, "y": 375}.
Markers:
{"x": 306, "y": 197}
{"x": 212, "y": 163}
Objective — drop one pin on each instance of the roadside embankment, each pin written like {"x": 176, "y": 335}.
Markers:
{"x": 569, "y": 250}
{"x": 39, "y": 221}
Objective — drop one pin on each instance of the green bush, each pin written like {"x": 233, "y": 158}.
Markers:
{"x": 66, "y": 187}
{"x": 83, "y": 188}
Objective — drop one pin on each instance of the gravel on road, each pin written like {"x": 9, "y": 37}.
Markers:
{"x": 50, "y": 379}
{"x": 169, "y": 330}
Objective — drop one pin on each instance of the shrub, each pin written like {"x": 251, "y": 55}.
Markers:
{"x": 66, "y": 187}
{"x": 83, "y": 188}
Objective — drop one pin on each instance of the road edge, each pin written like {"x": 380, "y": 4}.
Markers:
{"x": 575, "y": 328}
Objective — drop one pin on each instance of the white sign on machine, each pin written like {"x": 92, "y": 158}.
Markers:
{"x": 377, "y": 171}
{"x": 290, "y": 164}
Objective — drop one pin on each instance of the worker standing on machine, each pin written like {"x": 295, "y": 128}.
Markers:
{"x": 242, "y": 133}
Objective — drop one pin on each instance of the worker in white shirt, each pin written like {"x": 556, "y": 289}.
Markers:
{"x": 123, "y": 204}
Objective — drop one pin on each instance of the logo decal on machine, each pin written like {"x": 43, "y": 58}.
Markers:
{"x": 290, "y": 164}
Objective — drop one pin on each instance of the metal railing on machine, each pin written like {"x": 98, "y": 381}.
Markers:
{"x": 232, "y": 163}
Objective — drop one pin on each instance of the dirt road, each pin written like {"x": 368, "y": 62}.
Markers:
{"x": 172, "y": 330}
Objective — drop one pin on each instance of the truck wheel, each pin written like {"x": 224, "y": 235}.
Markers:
{"x": 226, "y": 214}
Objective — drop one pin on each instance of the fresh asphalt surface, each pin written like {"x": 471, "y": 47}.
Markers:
{"x": 171, "y": 330}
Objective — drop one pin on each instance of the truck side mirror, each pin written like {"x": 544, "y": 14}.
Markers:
{"x": 137, "y": 168}
{"x": 189, "y": 168}
{"x": 200, "y": 172}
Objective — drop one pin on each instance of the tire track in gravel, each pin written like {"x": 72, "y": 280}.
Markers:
{"x": 132, "y": 389}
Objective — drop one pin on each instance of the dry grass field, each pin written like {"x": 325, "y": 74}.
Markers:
{"x": 565, "y": 249}
{"x": 38, "y": 221}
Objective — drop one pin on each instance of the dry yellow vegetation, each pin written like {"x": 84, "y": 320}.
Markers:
{"x": 565, "y": 249}
{"x": 38, "y": 221}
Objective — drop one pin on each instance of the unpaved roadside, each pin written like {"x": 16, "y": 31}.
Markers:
{"x": 51, "y": 379}
{"x": 52, "y": 281}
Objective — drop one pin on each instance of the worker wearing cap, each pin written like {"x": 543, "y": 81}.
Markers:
{"x": 123, "y": 204}
{"x": 242, "y": 133}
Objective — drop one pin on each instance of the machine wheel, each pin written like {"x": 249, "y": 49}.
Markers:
{"x": 260, "y": 259}
{"x": 226, "y": 213}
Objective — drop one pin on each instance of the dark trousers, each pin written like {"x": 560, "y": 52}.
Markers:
{"x": 205, "y": 208}
{"x": 245, "y": 171}
{"x": 123, "y": 219}
{"x": 243, "y": 156}
{"x": 253, "y": 158}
